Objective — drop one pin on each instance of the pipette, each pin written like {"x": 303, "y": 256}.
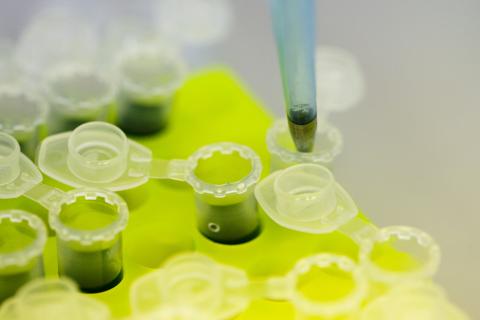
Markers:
{"x": 293, "y": 26}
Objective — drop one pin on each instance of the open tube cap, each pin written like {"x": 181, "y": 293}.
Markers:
{"x": 419, "y": 301}
{"x": 18, "y": 174}
{"x": 53, "y": 299}
{"x": 192, "y": 281}
{"x": 95, "y": 154}
{"x": 305, "y": 198}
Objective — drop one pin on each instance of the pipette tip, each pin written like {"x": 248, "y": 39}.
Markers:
{"x": 303, "y": 135}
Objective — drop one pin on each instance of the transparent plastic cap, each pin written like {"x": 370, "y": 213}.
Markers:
{"x": 95, "y": 154}
{"x": 29, "y": 233}
{"x": 21, "y": 112}
{"x": 399, "y": 254}
{"x": 192, "y": 281}
{"x": 79, "y": 90}
{"x": 150, "y": 71}
{"x": 328, "y": 145}
{"x": 85, "y": 237}
{"x": 53, "y": 299}
{"x": 18, "y": 174}
{"x": 419, "y": 301}
{"x": 307, "y": 286}
{"x": 305, "y": 198}
{"x": 195, "y": 22}
{"x": 340, "y": 80}
{"x": 55, "y": 35}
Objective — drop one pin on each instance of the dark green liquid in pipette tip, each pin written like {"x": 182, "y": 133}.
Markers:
{"x": 229, "y": 224}
{"x": 143, "y": 119}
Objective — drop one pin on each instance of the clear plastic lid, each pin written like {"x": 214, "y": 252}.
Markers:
{"x": 192, "y": 281}
{"x": 95, "y": 154}
{"x": 306, "y": 198}
{"x": 18, "y": 174}
{"x": 53, "y": 299}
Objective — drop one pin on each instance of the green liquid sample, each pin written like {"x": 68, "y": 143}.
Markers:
{"x": 96, "y": 267}
{"x": 140, "y": 118}
{"x": 229, "y": 224}
{"x": 94, "y": 271}
{"x": 12, "y": 281}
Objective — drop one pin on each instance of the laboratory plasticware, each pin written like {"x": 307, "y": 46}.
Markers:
{"x": 415, "y": 255}
{"x": 54, "y": 36}
{"x": 88, "y": 225}
{"x": 324, "y": 285}
{"x": 195, "y": 22}
{"x": 78, "y": 93}
{"x": 328, "y": 145}
{"x": 24, "y": 116}
{"x": 53, "y": 299}
{"x": 307, "y": 198}
{"x": 87, "y": 222}
{"x": 18, "y": 173}
{"x": 22, "y": 241}
{"x": 419, "y": 300}
{"x": 149, "y": 76}
{"x": 191, "y": 281}
{"x": 340, "y": 80}
{"x": 223, "y": 175}
{"x": 294, "y": 30}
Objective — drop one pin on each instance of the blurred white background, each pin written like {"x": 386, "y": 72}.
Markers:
{"x": 411, "y": 153}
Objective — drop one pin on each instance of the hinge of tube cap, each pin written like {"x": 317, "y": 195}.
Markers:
{"x": 169, "y": 169}
{"x": 359, "y": 230}
{"x": 45, "y": 195}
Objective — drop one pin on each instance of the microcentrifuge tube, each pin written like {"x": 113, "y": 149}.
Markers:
{"x": 22, "y": 240}
{"x": 149, "y": 77}
{"x": 88, "y": 224}
{"x": 24, "y": 116}
{"x": 77, "y": 94}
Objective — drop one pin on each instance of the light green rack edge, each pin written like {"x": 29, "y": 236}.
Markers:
{"x": 212, "y": 106}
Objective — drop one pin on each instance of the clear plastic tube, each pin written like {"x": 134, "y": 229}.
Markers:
{"x": 78, "y": 93}
{"x": 22, "y": 240}
{"x": 88, "y": 224}
{"x": 149, "y": 77}
{"x": 23, "y": 116}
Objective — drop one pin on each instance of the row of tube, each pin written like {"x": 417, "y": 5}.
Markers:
{"x": 304, "y": 197}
